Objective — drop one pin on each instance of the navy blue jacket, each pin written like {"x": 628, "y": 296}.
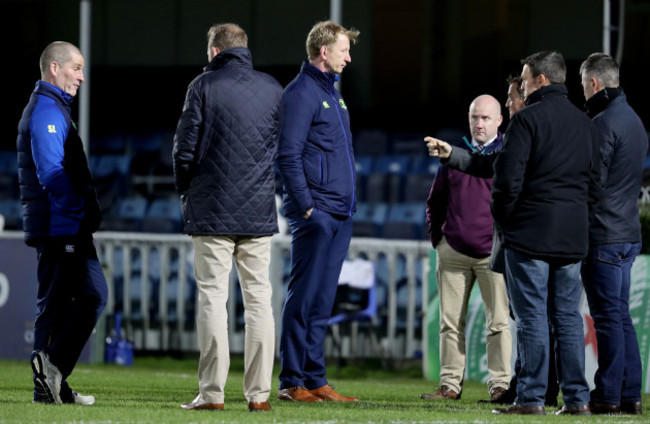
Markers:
{"x": 56, "y": 186}
{"x": 315, "y": 153}
{"x": 546, "y": 181}
{"x": 225, "y": 147}
{"x": 622, "y": 153}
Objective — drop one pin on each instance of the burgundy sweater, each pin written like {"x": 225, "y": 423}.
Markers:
{"x": 458, "y": 207}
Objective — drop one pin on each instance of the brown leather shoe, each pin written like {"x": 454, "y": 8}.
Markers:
{"x": 259, "y": 406}
{"x": 199, "y": 404}
{"x": 297, "y": 394}
{"x": 521, "y": 410}
{"x": 634, "y": 408}
{"x": 444, "y": 392}
{"x": 574, "y": 410}
{"x": 604, "y": 408}
{"x": 327, "y": 393}
{"x": 496, "y": 393}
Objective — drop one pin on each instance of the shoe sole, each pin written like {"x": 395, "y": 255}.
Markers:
{"x": 50, "y": 393}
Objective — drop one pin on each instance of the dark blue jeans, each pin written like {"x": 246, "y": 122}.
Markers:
{"x": 318, "y": 248}
{"x": 606, "y": 277}
{"x": 540, "y": 290}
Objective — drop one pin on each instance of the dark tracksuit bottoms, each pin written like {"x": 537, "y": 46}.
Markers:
{"x": 318, "y": 248}
{"x": 72, "y": 294}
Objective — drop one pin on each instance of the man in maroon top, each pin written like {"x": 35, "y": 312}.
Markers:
{"x": 460, "y": 228}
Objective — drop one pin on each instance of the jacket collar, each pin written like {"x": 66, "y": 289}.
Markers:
{"x": 239, "y": 55}
{"x": 49, "y": 90}
{"x": 325, "y": 79}
{"x": 548, "y": 90}
{"x": 599, "y": 101}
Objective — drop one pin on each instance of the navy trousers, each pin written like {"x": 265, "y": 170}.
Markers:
{"x": 318, "y": 248}
{"x": 606, "y": 274}
{"x": 72, "y": 294}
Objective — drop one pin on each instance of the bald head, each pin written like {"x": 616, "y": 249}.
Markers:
{"x": 484, "y": 118}
{"x": 60, "y": 52}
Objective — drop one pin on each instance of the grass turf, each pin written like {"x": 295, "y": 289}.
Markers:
{"x": 152, "y": 390}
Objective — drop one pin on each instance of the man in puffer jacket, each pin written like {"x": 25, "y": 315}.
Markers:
{"x": 60, "y": 214}
{"x": 317, "y": 167}
{"x": 224, "y": 151}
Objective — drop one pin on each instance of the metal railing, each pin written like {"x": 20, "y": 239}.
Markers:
{"x": 150, "y": 280}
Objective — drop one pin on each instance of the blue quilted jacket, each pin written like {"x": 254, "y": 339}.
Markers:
{"x": 225, "y": 147}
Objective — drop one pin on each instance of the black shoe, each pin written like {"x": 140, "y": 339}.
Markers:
{"x": 506, "y": 397}
{"x": 574, "y": 410}
{"x": 634, "y": 408}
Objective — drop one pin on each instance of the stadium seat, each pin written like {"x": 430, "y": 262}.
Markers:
{"x": 363, "y": 165}
{"x": 418, "y": 187}
{"x": 8, "y": 174}
{"x": 163, "y": 216}
{"x": 127, "y": 215}
{"x": 386, "y": 182}
{"x": 405, "y": 221}
{"x": 12, "y": 211}
{"x": 369, "y": 219}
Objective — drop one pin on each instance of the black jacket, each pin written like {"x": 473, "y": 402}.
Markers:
{"x": 546, "y": 180}
{"x": 225, "y": 147}
{"x": 622, "y": 153}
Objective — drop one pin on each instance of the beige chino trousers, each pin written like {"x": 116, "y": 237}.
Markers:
{"x": 456, "y": 274}
{"x": 213, "y": 257}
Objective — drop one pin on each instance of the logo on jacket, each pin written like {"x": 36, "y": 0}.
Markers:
{"x": 342, "y": 103}
{"x": 326, "y": 105}
{"x": 51, "y": 129}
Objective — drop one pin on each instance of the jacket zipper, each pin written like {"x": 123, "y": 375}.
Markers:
{"x": 347, "y": 143}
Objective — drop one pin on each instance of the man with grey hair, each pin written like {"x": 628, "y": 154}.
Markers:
{"x": 544, "y": 188}
{"x": 316, "y": 164}
{"x": 224, "y": 152}
{"x": 60, "y": 214}
{"x": 614, "y": 238}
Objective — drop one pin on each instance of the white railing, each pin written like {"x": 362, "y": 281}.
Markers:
{"x": 162, "y": 318}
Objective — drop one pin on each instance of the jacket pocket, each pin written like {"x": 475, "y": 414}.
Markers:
{"x": 314, "y": 167}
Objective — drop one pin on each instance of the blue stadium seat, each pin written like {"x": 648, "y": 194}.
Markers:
{"x": 12, "y": 211}
{"x": 369, "y": 219}
{"x": 363, "y": 165}
{"x": 163, "y": 216}
{"x": 126, "y": 215}
{"x": 8, "y": 173}
{"x": 386, "y": 182}
{"x": 425, "y": 165}
{"x": 405, "y": 221}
